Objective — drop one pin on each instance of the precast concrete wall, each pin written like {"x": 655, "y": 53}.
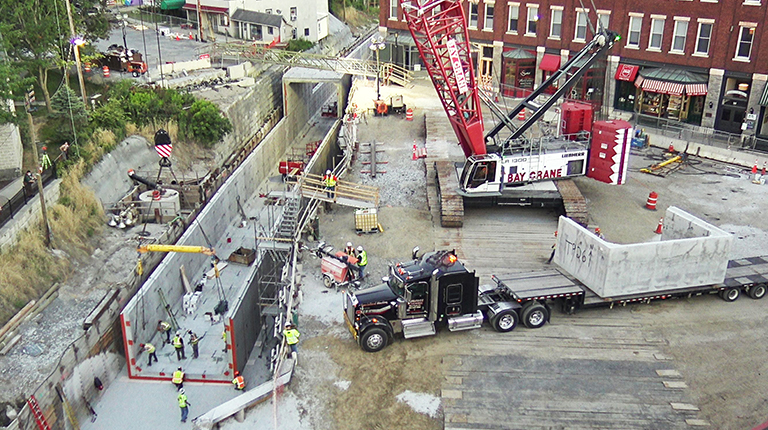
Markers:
{"x": 691, "y": 252}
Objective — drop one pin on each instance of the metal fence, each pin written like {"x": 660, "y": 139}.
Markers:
{"x": 703, "y": 135}
{"x": 17, "y": 202}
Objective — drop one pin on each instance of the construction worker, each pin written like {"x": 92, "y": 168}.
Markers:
{"x": 178, "y": 378}
{"x": 178, "y": 343}
{"x": 239, "y": 381}
{"x": 598, "y": 233}
{"x": 362, "y": 260}
{"x": 183, "y": 405}
{"x": 164, "y": 327}
{"x": 193, "y": 340}
{"x": 552, "y": 255}
{"x": 29, "y": 181}
{"x": 149, "y": 349}
{"x": 291, "y": 336}
{"x": 349, "y": 249}
{"x": 224, "y": 336}
{"x": 330, "y": 183}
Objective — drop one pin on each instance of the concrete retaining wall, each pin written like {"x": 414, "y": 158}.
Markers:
{"x": 109, "y": 178}
{"x": 691, "y": 252}
{"x": 10, "y": 152}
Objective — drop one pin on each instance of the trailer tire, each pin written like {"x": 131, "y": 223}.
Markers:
{"x": 730, "y": 294}
{"x": 757, "y": 292}
{"x": 505, "y": 321}
{"x": 374, "y": 339}
{"x": 535, "y": 315}
{"x": 327, "y": 280}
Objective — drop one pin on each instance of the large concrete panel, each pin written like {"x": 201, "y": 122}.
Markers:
{"x": 691, "y": 252}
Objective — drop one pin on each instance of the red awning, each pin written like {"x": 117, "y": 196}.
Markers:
{"x": 662, "y": 87}
{"x": 626, "y": 72}
{"x": 550, "y": 63}
{"x": 696, "y": 89}
{"x": 209, "y": 9}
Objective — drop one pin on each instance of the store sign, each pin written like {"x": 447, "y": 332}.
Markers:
{"x": 458, "y": 71}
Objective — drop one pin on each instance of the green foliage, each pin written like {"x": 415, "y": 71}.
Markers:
{"x": 110, "y": 116}
{"x": 204, "y": 123}
{"x": 298, "y": 45}
{"x": 12, "y": 87}
{"x": 67, "y": 118}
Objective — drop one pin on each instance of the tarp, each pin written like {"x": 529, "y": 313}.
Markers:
{"x": 626, "y": 72}
{"x": 550, "y": 63}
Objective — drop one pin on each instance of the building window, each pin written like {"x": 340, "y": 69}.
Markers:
{"x": 657, "y": 33}
{"x": 473, "y": 15}
{"x": 604, "y": 17}
{"x": 635, "y": 25}
{"x": 294, "y": 14}
{"x": 704, "y": 38}
{"x": 393, "y": 9}
{"x": 533, "y": 18}
{"x": 306, "y": 31}
{"x": 744, "y": 47}
{"x": 581, "y": 26}
{"x": 488, "y": 17}
{"x": 293, "y": 33}
{"x": 556, "y": 25}
{"x": 270, "y": 30}
{"x": 514, "y": 15}
{"x": 269, "y": 11}
{"x": 678, "y": 37}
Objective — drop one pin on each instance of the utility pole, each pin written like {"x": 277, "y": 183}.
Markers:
{"x": 38, "y": 169}
{"x": 77, "y": 56}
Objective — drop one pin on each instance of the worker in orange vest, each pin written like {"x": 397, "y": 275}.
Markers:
{"x": 239, "y": 381}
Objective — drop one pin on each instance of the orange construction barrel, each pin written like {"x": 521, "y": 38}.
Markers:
{"x": 521, "y": 115}
{"x": 409, "y": 115}
{"x": 651, "y": 203}
{"x": 105, "y": 70}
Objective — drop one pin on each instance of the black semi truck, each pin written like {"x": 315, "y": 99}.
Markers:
{"x": 437, "y": 289}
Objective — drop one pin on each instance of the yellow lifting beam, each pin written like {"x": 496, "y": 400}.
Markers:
{"x": 176, "y": 248}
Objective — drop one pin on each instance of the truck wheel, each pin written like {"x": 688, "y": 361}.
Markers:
{"x": 504, "y": 321}
{"x": 535, "y": 316}
{"x": 327, "y": 281}
{"x": 373, "y": 340}
{"x": 757, "y": 292}
{"x": 135, "y": 74}
{"x": 730, "y": 294}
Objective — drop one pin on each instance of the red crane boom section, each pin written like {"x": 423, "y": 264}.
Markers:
{"x": 439, "y": 28}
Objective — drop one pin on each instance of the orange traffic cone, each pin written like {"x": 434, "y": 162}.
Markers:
{"x": 414, "y": 152}
{"x": 754, "y": 168}
{"x": 659, "y": 227}
{"x": 521, "y": 115}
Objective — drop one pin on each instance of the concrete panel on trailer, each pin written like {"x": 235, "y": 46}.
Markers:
{"x": 691, "y": 252}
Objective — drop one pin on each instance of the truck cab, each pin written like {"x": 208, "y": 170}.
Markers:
{"x": 432, "y": 289}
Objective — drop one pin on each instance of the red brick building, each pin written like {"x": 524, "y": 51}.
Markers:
{"x": 701, "y": 62}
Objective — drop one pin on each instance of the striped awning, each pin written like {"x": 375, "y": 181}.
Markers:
{"x": 764, "y": 98}
{"x": 654, "y": 86}
{"x": 696, "y": 89}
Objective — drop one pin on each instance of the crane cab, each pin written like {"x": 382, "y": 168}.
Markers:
{"x": 481, "y": 176}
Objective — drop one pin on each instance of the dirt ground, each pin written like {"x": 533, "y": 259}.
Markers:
{"x": 716, "y": 346}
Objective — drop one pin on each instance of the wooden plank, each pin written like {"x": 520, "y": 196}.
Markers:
{"x": 184, "y": 280}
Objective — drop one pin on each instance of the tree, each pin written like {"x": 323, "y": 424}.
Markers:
{"x": 12, "y": 88}
{"x": 68, "y": 111}
{"x": 205, "y": 124}
{"x": 35, "y": 34}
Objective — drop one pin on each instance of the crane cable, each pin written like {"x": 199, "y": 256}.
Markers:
{"x": 215, "y": 259}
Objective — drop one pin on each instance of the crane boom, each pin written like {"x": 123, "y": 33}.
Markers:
{"x": 439, "y": 28}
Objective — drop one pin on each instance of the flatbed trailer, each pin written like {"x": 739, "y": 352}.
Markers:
{"x": 557, "y": 288}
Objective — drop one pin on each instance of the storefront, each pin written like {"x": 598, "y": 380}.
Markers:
{"x": 762, "y": 124}
{"x": 626, "y": 92}
{"x": 519, "y": 67}
{"x": 590, "y": 86}
{"x": 732, "y": 110}
{"x": 671, "y": 94}
{"x": 550, "y": 64}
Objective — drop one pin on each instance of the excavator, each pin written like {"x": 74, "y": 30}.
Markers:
{"x": 504, "y": 158}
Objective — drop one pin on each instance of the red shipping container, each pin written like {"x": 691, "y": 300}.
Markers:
{"x": 575, "y": 117}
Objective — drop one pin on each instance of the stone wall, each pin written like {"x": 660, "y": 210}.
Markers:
{"x": 10, "y": 152}
{"x": 28, "y": 215}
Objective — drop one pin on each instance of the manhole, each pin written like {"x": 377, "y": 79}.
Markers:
{"x": 33, "y": 349}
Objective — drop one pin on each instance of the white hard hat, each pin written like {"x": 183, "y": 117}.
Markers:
{"x": 360, "y": 248}
{"x": 349, "y": 244}
{"x": 181, "y": 390}
{"x": 328, "y": 172}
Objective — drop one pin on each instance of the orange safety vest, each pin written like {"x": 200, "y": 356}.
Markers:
{"x": 239, "y": 382}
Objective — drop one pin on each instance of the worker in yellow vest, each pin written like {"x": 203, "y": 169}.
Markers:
{"x": 183, "y": 405}
{"x": 330, "y": 183}
{"x": 164, "y": 328}
{"x": 239, "y": 381}
{"x": 178, "y": 343}
{"x": 362, "y": 260}
{"x": 291, "y": 336}
{"x": 150, "y": 350}
{"x": 178, "y": 378}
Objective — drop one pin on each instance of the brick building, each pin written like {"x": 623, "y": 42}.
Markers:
{"x": 699, "y": 62}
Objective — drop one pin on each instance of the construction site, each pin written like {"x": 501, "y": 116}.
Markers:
{"x": 610, "y": 294}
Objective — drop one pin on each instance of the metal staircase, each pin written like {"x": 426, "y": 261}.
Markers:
{"x": 287, "y": 227}
{"x": 42, "y": 423}
{"x": 389, "y": 72}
